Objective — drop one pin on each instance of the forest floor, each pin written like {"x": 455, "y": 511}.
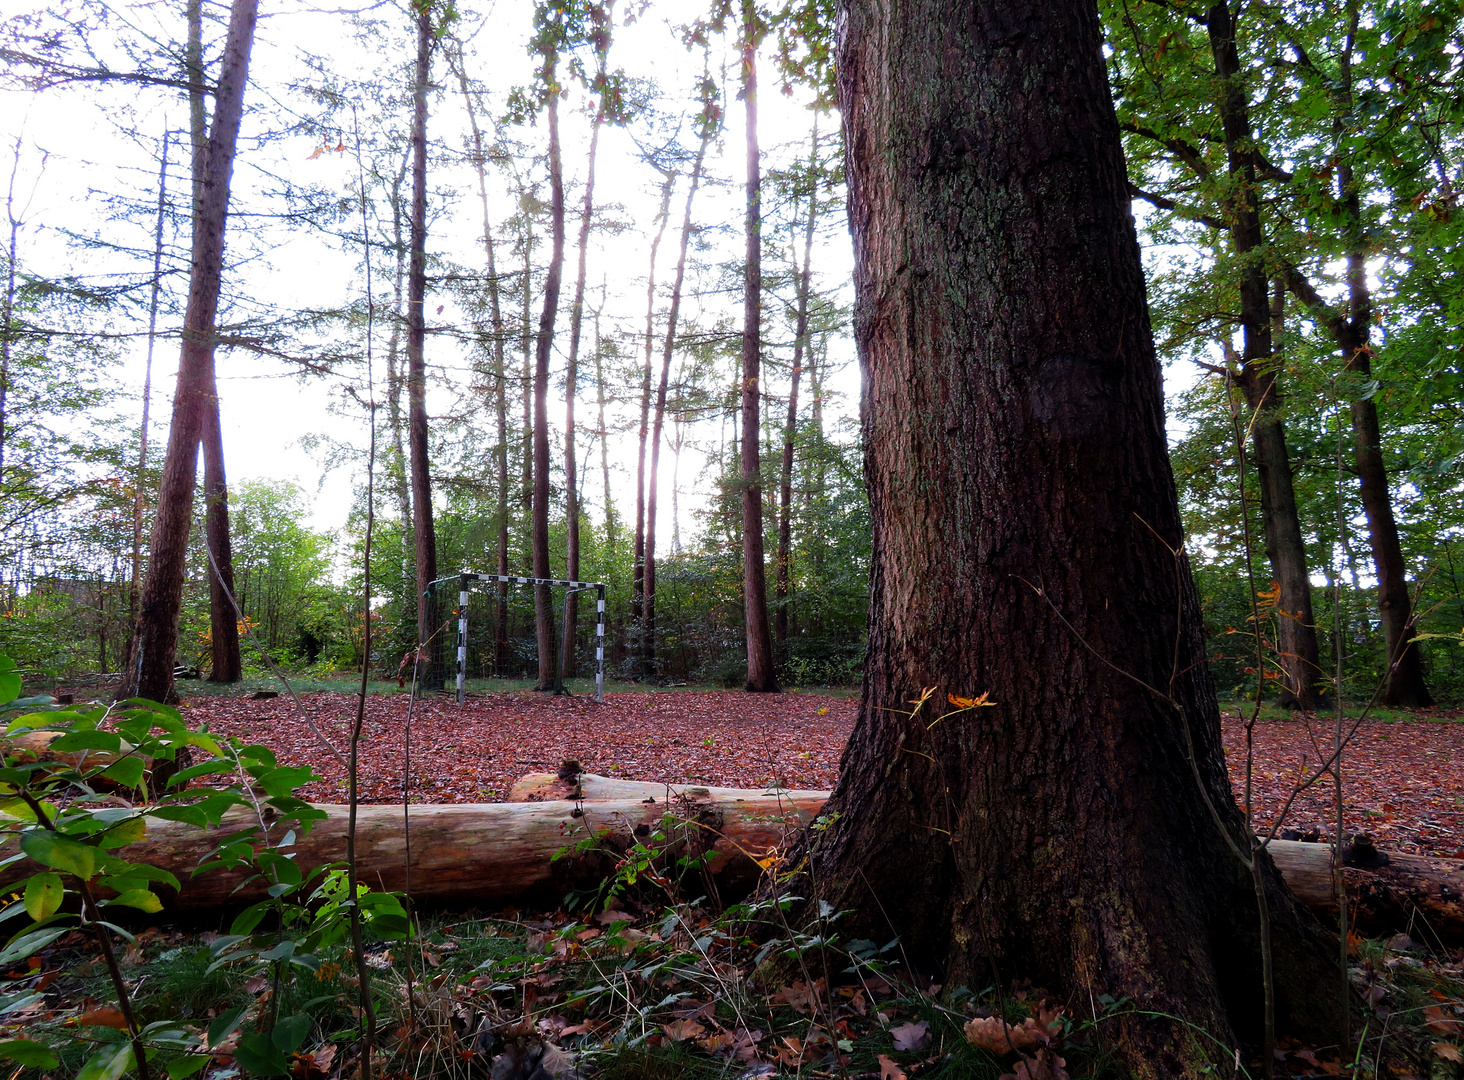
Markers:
{"x": 1403, "y": 773}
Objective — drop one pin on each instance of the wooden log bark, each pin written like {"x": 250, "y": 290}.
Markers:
{"x": 493, "y": 853}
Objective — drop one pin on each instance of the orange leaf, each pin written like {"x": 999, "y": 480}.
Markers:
{"x": 318, "y": 151}
{"x": 106, "y": 1016}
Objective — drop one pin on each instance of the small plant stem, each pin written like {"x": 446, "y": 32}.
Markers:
{"x": 124, "y": 1000}
{"x": 363, "y": 972}
{"x": 1340, "y": 882}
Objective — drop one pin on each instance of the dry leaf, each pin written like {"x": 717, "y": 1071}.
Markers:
{"x": 1045, "y": 1066}
{"x": 1439, "y": 1023}
{"x": 1448, "y": 1051}
{"x": 105, "y": 1016}
{"x": 888, "y": 1070}
{"x": 800, "y": 996}
{"x": 991, "y": 1033}
{"x": 681, "y": 1030}
{"x": 911, "y": 1036}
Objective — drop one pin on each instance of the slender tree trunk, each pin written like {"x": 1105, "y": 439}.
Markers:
{"x": 162, "y": 595}
{"x": 543, "y": 595}
{"x": 571, "y": 378}
{"x": 223, "y": 624}
{"x": 783, "y": 585}
{"x": 1025, "y": 530}
{"x": 500, "y": 372}
{"x": 400, "y": 484}
{"x": 760, "y": 677}
{"x": 424, "y": 530}
{"x": 648, "y": 641}
{"x": 7, "y": 329}
{"x": 139, "y": 498}
{"x": 604, "y": 442}
{"x": 1300, "y": 658}
{"x": 638, "y": 572}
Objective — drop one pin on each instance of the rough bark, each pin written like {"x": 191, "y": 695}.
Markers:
{"x": 543, "y": 600}
{"x": 1024, "y": 516}
{"x": 783, "y": 585}
{"x": 760, "y": 667}
{"x": 668, "y": 348}
{"x": 227, "y": 666}
{"x": 1296, "y": 632}
{"x": 162, "y": 596}
{"x": 424, "y": 530}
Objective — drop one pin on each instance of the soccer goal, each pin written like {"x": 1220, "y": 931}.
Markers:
{"x": 466, "y": 581}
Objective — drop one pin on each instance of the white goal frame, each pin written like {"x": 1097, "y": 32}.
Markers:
{"x": 467, "y": 579}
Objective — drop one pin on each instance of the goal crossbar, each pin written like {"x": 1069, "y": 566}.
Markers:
{"x": 467, "y": 579}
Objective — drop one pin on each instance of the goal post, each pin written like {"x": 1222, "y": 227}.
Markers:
{"x": 465, "y": 582}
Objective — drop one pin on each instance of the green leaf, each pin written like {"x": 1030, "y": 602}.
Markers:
{"x": 60, "y": 853}
{"x": 193, "y": 772}
{"x": 9, "y": 680}
{"x": 224, "y": 1024}
{"x": 26, "y": 1052}
{"x": 185, "y": 1066}
{"x": 127, "y": 772}
{"x": 109, "y": 1063}
{"x": 30, "y": 943}
{"x": 141, "y": 899}
{"x": 126, "y": 832}
{"x": 249, "y": 918}
{"x": 284, "y": 781}
{"x": 43, "y": 894}
{"x": 107, "y": 741}
{"x": 258, "y": 1055}
{"x": 289, "y": 1033}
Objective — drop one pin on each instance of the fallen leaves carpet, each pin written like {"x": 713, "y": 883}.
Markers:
{"x": 1403, "y": 782}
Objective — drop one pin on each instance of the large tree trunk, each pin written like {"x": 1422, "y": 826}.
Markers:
{"x": 783, "y": 585}
{"x": 760, "y": 666}
{"x": 424, "y": 530}
{"x": 1023, "y": 516}
{"x": 223, "y": 622}
{"x": 499, "y": 393}
{"x": 162, "y": 597}
{"x": 543, "y": 600}
{"x": 668, "y": 347}
{"x": 1296, "y": 631}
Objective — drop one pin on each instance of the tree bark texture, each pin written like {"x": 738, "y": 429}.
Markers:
{"x": 424, "y": 530}
{"x": 162, "y": 595}
{"x": 1296, "y": 631}
{"x": 658, "y": 423}
{"x": 760, "y": 664}
{"x": 227, "y": 666}
{"x": 1406, "y": 687}
{"x": 784, "y": 581}
{"x": 1024, "y": 526}
{"x": 543, "y": 600}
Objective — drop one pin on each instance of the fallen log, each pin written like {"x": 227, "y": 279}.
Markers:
{"x": 491, "y": 853}
{"x": 485, "y": 853}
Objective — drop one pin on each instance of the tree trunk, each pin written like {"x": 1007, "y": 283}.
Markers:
{"x": 139, "y": 501}
{"x": 648, "y": 642}
{"x": 638, "y": 570}
{"x": 604, "y": 441}
{"x": 223, "y": 623}
{"x": 543, "y": 598}
{"x": 424, "y": 531}
{"x": 500, "y": 373}
{"x": 1406, "y": 686}
{"x": 401, "y": 487}
{"x": 162, "y": 596}
{"x": 571, "y": 378}
{"x": 760, "y": 677}
{"x": 1296, "y": 631}
{"x": 790, "y": 427}
{"x": 1024, "y": 527}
